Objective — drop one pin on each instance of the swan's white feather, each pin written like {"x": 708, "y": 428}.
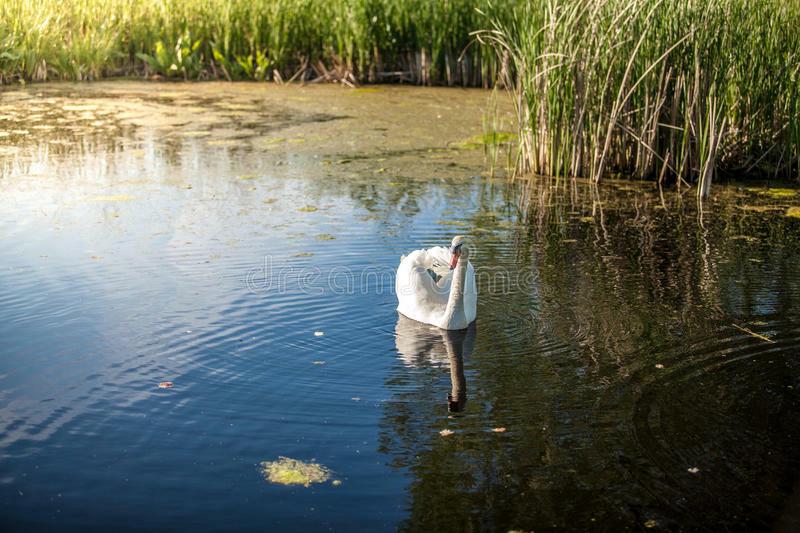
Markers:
{"x": 424, "y": 299}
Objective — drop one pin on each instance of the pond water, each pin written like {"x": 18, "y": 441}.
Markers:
{"x": 634, "y": 363}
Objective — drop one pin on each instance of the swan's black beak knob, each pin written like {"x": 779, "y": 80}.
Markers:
{"x": 455, "y": 252}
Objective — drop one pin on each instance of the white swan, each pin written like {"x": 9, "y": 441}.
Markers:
{"x": 430, "y": 292}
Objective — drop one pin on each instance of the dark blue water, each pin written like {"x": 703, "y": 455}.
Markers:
{"x": 246, "y": 253}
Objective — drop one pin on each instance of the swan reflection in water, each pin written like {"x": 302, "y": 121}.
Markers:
{"x": 423, "y": 345}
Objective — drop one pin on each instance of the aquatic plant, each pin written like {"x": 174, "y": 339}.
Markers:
{"x": 181, "y": 59}
{"x": 672, "y": 91}
{"x": 287, "y": 471}
{"x": 336, "y": 40}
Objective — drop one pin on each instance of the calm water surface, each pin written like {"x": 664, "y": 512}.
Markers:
{"x": 634, "y": 364}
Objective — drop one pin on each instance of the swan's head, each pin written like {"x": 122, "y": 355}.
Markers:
{"x": 458, "y": 248}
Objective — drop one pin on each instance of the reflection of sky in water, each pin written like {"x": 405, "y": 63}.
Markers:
{"x": 125, "y": 258}
{"x": 132, "y": 220}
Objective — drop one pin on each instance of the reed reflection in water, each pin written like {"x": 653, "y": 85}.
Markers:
{"x": 636, "y": 361}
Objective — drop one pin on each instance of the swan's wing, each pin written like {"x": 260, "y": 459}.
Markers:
{"x": 438, "y": 262}
{"x": 434, "y": 275}
{"x": 429, "y": 257}
{"x": 419, "y": 295}
{"x": 413, "y": 278}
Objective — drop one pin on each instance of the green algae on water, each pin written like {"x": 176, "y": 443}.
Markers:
{"x": 489, "y": 139}
{"x": 272, "y": 140}
{"x": 287, "y": 471}
{"x": 774, "y": 192}
{"x": 759, "y": 208}
{"x": 112, "y": 198}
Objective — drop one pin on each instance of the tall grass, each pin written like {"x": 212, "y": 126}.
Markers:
{"x": 668, "y": 90}
{"x": 417, "y": 41}
{"x": 671, "y": 90}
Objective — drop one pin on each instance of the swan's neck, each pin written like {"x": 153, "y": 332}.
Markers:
{"x": 454, "y": 312}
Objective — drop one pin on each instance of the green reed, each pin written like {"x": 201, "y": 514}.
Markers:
{"x": 675, "y": 90}
{"x": 416, "y": 41}
{"x": 666, "y": 90}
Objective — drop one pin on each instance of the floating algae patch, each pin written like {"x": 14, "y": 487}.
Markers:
{"x": 759, "y": 208}
{"x": 325, "y": 237}
{"x": 224, "y": 142}
{"x": 793, "y": 212}
{"x": 196, "y": 133}
{"x": 362, "y": 90}
{"x": 489, "y": 139}
{"x": 238, "y": 107}
{"x": 286, "y": 471}
{"x": 267, "y": 141}
{"x": 112, "y": 198}
{"x": 79, "y": 107}
{"x": 307, "y": 209}
{"x": 774, "y": 192}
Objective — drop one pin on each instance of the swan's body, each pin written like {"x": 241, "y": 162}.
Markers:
{"x": 430, "y": 292}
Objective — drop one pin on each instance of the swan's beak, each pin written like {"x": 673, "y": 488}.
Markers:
{"x": 454, "y": 258}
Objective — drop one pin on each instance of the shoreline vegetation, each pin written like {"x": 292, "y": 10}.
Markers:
{"x": 675, "y": 92}
{"x": 349, "y": 41}
{"x": 672, "y": 91}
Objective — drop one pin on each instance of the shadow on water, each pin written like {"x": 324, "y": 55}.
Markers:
{"x": 641, "y": 359}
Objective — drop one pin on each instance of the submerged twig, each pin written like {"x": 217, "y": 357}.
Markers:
{"x": 753, "y": 333}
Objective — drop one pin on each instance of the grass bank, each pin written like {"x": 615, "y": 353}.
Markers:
{"x": 416, "y": 41}
{"x": 675, "y": 91}
{"x": 666, "y": 90}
